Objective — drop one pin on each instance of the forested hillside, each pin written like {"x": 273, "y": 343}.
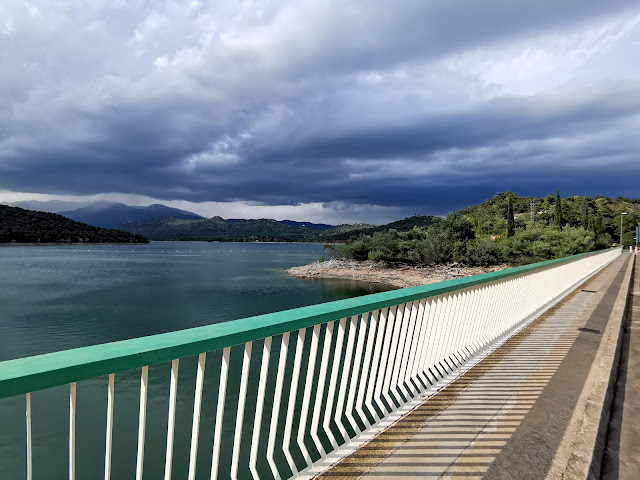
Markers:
{"x": 506, "y": 228}
{"x": 598, "y": 215}
{"x": 112, "y": 215}
{"x": 262, "y": 230}
{"x": 27, "y": 226}
{"x": 341, "y": 233}
{"x": 220, "y": 230}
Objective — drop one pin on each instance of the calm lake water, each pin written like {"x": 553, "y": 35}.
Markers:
{"x": 60, "y": 297}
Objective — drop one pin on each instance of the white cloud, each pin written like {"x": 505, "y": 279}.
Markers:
{"x": 551, "y": 59}
{"x": 220, "y": 152}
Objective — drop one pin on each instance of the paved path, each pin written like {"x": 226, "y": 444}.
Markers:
{"x": 622, "y": 455}
{"x": 506, "y": 417}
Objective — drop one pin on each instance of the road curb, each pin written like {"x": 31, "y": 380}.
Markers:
{"x": 586, "y": 434}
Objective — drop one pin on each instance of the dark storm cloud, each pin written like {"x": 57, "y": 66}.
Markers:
{"x": 321, "y": 101}
{"x": 495, "y": 122}
{"x": 378, "y": 166}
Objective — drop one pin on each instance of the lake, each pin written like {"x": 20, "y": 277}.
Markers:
{"x": 59, "y": 297}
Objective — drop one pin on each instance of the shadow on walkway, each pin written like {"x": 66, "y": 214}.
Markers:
{"x": 463, "y": 429}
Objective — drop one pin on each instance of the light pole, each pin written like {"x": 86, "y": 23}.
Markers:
{"x": 621, "y": 217}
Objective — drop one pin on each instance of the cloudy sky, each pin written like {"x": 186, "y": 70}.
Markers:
{"x": 333, "y": 110}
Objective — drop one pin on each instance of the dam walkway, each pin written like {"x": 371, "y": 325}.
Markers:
{"x": 537, "y": 407}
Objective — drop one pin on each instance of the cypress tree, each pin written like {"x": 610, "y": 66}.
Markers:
{"x": 557, "y": 217}
{"x": 511, "y": 223}
{"x": 585, "y": 215}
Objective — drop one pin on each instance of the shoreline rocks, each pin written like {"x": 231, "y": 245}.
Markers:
{"x": 399, "y": 276}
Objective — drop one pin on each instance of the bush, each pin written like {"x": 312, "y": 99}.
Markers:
{"x": 376, "y": 256}
{"x": 538, "y": 243}
{"x": 443, "y": 242}
{"x": 358, "y": 250}
{"x": 482, "y": 252}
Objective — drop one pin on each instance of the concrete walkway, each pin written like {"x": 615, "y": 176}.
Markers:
{"x": 508, "y": 416}
{"x": 622, "y": 454}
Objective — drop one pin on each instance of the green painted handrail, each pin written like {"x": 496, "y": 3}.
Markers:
{"x": 38, "y": 372}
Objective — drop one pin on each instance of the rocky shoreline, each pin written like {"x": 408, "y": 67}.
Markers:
{"x": 398, "y": 276}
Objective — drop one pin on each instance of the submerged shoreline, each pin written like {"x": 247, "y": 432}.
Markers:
{"x": 398, "y": 276}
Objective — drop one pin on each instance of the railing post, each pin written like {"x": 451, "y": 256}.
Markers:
{"x": 29, "y": 450}
{"x": 344, "y": 380}
{"x": 142, "y": 420}
{"x": 109, "y": 433}
{"x": 72, "y": 431}
{"x": 242, "y": 396}
{"x": 195, "y": 426}
{"x": 257, "y": 421}
{"x": 306, "y": 399}
{"x": 356, "y": 376}
{"x": 173, "y": 392}
{"x": 315, "y": 419}
{"x": 222, "y": 395}
{"x": 367, "y": 372}
{"x": 275, "y": 411}
{"x": 293, "y": 393}
{"x": 335, "y": 370}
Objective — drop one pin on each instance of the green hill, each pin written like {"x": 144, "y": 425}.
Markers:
{"x": 337, "y": 234}
{"x": 600, "y": 215}
{"x": 27, "y": 226}
{"x": 347, "y": 229}
{"x": 543, "y": 228}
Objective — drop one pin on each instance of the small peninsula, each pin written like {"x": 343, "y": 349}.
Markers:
{"x": 396, "y": 276}
{"x": 506, "y": 230}
{"x": 18, "y": 225}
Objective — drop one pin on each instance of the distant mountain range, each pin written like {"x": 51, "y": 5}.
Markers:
{"x": 104, "y": 214}
{"x": 51, "y": 206}
{"x": 27, "y": 226}
{"x": 218, "y": 229}
{"x": 262, "y": 230}
{"x": 113, "y": 215}
{"x": 159, "y": 222}
{"x": 403, "y": 225}
{"x": 291, "y": 223}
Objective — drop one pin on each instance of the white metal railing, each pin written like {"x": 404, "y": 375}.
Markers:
{"x": 348, "y": 367}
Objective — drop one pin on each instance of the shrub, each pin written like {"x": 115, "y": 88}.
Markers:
{"x": 538, "y": 243}
{"x": 376, "y": 256}
{"x": 357, "y": 250}
{"x": 482, "y": 252}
